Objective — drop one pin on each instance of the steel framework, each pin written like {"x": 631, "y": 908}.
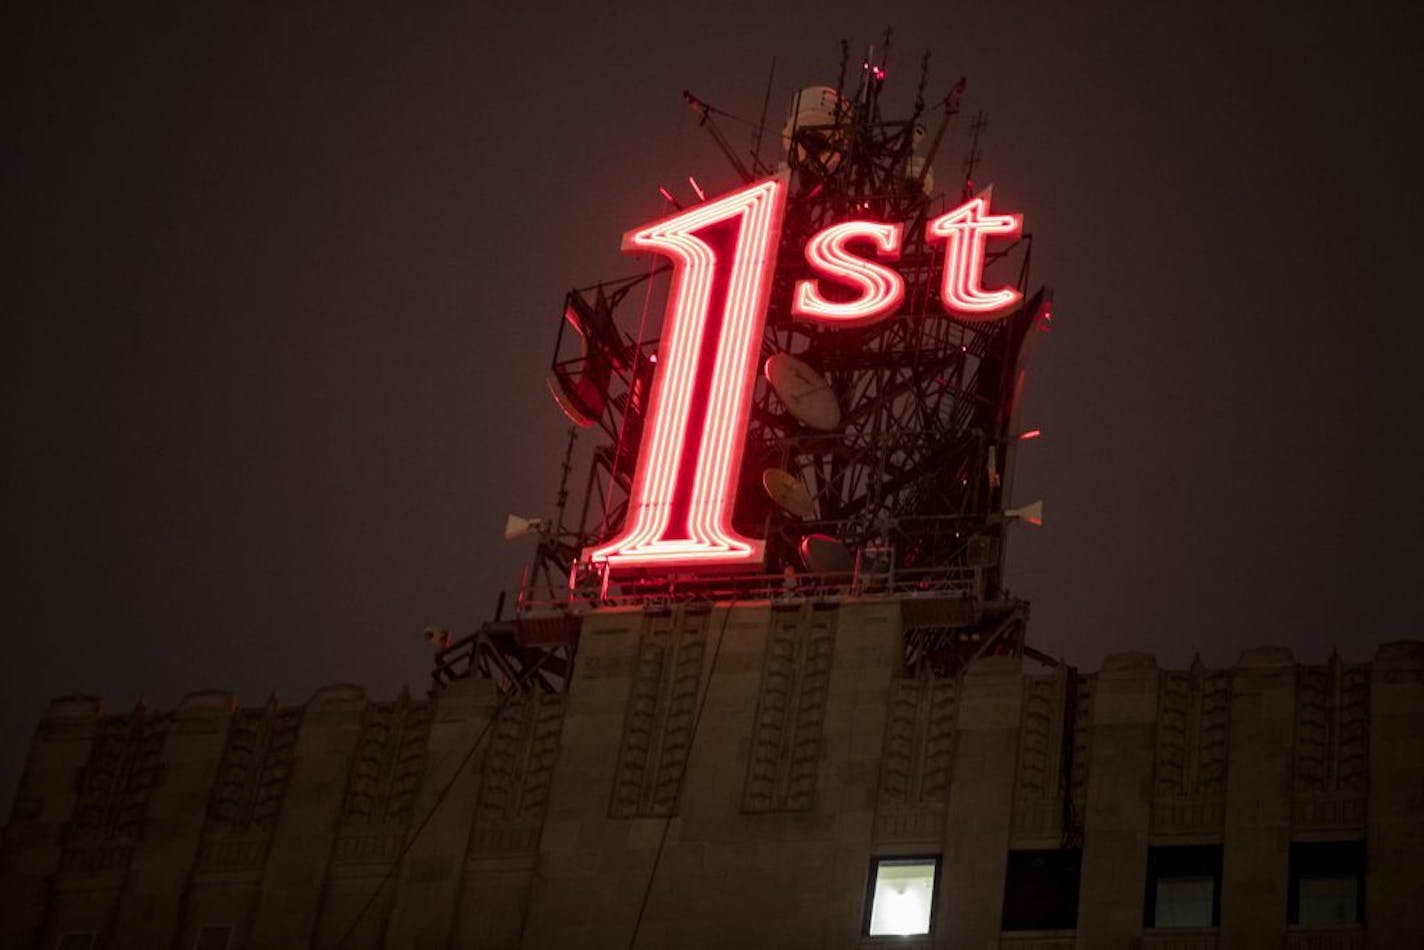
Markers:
{"x": 915, "y": 481}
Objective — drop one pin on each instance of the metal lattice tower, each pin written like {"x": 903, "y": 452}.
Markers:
{"x": 915, "y": 481}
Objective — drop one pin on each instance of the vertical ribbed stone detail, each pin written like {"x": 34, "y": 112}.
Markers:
{"x": 254, "y": 769}
{"x": 917, "y": 764}
{"x": 514, "y": 786}
{"x": 123, "y": 769}
{"x": 251, "y": 782}
{"x": 791, "y": 707}
{"x": 389, "y": 764}
{"x": 662, "y": 701}
{"x": 1332, "y": 741}
{"x": 1051, "y": 763}
{"x": 1193, "y": 724}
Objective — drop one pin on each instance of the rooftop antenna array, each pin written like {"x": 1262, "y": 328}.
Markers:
{"x": 879, "y": 458}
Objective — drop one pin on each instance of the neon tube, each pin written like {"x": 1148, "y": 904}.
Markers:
{"x": 703, "y": 492}
{"x": 881, "y": 289}
{"x": 966, "y": 231}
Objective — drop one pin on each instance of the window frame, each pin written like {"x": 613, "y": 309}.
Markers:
{"x": 1168, "y": 861}
{"x": 1062, "y": 858}
{"x": 876, "y": 861}
{"x": 1329, "y": 859}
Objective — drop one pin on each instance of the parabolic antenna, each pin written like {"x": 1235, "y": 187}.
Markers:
{"x": 823, "y": 554}
{"x": 804, "y": 391}
{"x": 582, "y": 403}
{"x": 789, "y": 492}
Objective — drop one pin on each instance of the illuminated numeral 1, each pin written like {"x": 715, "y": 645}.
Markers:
{"x": 966, "y": 231}
{"x": 680, "y": 503}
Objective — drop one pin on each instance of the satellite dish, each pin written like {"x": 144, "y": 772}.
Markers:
{"x": 580, "y": 385}
{"x": 581, "y": 398}
{"x": 804, "y": 391}
{"x": 813, "y": 119}
{"x": 788, "y": 491}
{"x": 823, "y": 554}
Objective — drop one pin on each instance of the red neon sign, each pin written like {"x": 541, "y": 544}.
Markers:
{"x": 724, "y": 254}
{"x": 881, "y": 289}
{"x": 966, "y": 230}
{"x": 680, "y": 506}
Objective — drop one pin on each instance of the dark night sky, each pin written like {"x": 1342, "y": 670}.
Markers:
{"x": 282, "y": 288}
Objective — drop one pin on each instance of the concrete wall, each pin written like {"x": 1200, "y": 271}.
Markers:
{"x": 720, "y": 776}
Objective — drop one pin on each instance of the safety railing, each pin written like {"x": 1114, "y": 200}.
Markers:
{"x": 596, "y": 590}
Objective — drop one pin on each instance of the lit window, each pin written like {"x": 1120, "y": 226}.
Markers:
{"x": 902, "y": 896}
{"x": 1326, "y": 880}
{"x": 1183, "y": 886}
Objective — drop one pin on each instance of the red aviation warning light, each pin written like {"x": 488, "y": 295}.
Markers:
{"x": 680, "y": 507}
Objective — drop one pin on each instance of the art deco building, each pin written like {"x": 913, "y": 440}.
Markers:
{"x": 764, "y": 775}
{"x": 763, "y": 685}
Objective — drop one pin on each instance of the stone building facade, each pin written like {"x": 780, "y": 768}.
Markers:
{"x": 739, "y": 776}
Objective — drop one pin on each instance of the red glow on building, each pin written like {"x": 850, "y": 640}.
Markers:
{"x": 680, "y": 505}
{"x": 881, "y": 289}
{"x": 966, "y": 231}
